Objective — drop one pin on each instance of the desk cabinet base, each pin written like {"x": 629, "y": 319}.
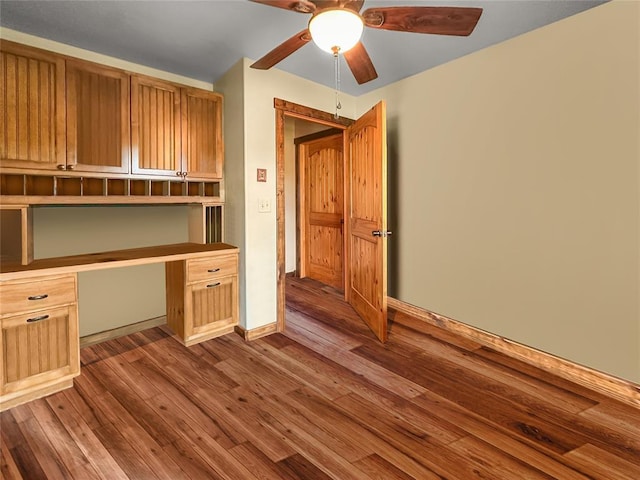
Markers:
{"x": 202, "y": 297}
{"x": 39, "y": 349}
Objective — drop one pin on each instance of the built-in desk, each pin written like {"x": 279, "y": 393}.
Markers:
{"x": 39, "y": 342}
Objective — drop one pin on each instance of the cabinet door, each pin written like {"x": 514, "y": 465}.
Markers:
{"x": 32, "y": 108}
{"x": 202, "y": 146}
{"x": 98, "y": 118}
{"x": 211, "y": 307}
{"x": 38, "y": 348}
{"x": 155, "y": 127}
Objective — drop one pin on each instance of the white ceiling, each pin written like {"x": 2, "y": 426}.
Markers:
{"x": 203, "y": 39}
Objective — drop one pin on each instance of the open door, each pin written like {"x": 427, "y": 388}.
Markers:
{"x": 366, "y": 283}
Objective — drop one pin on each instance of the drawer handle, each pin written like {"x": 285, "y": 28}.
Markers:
{"x": 213, "y": 270}
{"x": 37, "y": 319}
{"x": 213, "y": 285}
{"x": 39, "y": 297}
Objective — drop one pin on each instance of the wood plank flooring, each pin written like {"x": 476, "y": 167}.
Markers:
{"x": 325, "y": 400}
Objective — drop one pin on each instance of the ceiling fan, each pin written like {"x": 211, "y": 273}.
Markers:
{"x": 332, "y": 20}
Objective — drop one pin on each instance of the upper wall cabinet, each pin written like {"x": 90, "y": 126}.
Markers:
{"x": 202, "y": 146}
{"x": 175, "y": 131}
{"x": 32, "y": 108}
{"x": 98, "y": 119}
{"x": 60, "y": 113}
{"x": 155, "y": 126}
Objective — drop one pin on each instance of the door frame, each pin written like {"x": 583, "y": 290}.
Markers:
{"x": 285, "y": 109}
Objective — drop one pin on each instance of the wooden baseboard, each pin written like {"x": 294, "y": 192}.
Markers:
{"x": 121, "y": 331}
{"x": 256, "y": 333}
{"x": 614, "y": 387}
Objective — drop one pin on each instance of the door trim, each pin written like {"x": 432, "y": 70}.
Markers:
{"x": 285, "y": 109}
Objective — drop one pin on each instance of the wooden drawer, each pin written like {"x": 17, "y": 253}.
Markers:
{"x": 17, "y": 297}
{"x": 203, "y": 269}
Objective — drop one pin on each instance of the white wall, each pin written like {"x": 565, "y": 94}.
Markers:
{"x": 515, "y": 192}
{"x": 231, "y": 85}
{"x": 260, "y": 89}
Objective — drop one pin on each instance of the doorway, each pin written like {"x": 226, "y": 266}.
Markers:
{"x": 309, "y": 121}
{"x": 364, "y": 206}
{"x": 319, "y": 171}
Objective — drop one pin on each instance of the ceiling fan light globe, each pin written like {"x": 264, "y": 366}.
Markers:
{"x": 336, "y": 28}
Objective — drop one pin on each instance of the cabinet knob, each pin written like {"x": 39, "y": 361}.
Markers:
{"x": 37, "y": 319}
{"x": 213, "y": 270}
{"x": 38, "y": 297}
{"x": 62, "y": 167}
{"x": 71, "y": 167}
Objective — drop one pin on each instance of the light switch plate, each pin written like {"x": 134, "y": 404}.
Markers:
{"x": 262, "y": 174}
{"x": 264, "y": 205}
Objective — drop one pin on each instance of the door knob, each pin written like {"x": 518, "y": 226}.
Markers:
{"x": 378, "y": 233}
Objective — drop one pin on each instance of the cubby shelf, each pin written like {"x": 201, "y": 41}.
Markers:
{"x": 20, "y": 192}
{"x": 78, "y": 189}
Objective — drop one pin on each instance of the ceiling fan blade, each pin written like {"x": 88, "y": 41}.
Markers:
{"x": 360, "y": 64}
{"x": 302, "y": 6}
{"x": 283, "y": 50}
{"x": 436, "y": 20}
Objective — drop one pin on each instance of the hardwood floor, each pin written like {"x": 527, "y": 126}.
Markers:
{"x": 324, "y": 400}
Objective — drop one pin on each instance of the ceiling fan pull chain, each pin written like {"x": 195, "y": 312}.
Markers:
{"x": 337, "y": 71}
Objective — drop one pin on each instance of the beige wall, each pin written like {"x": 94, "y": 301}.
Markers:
{"x": 116, "y": 297}
{"x": 514, "y": 188}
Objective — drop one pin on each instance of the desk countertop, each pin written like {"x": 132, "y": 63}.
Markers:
{"x": 114, "y": 259}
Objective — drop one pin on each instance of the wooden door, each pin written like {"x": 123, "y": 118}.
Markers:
{"x": 98, "y": 118}
{"x": 155, "y": 127}
{"x": 321, "y": 172}
{"x": 366, "y": 288}
{"x": 202, "y": 146}
{"x": 38, "y": 347}
{"x": 32, "y": 108}
{"x": 211, "y": 309}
